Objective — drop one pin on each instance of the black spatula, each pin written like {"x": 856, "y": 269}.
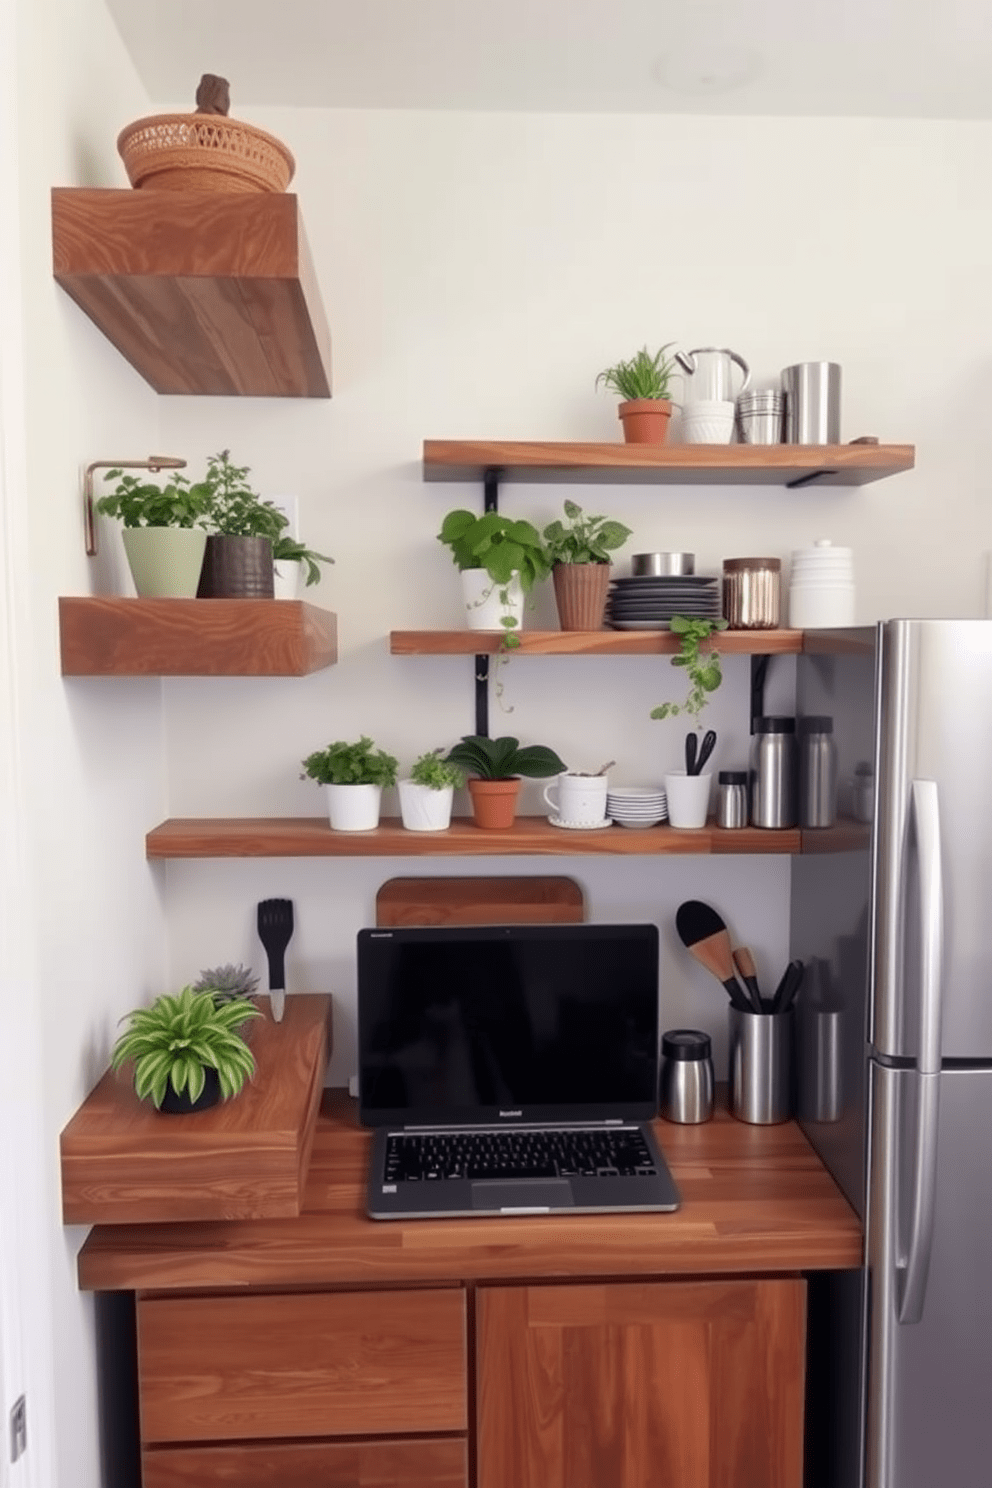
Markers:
{"x": 275, "y": 930}
{"x": 705, "y": 936}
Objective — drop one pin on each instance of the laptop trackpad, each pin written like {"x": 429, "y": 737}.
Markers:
{"x": 535, "y": 1195}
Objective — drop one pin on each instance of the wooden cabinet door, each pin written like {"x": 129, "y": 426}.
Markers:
{"x": 377, "y": 1464}
{"x": 648, "y": 1385}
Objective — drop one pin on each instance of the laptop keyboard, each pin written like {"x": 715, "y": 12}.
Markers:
{"x": 518, "y": 1153}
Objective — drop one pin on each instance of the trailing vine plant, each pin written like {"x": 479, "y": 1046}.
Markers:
{"x": 702, "y": 668}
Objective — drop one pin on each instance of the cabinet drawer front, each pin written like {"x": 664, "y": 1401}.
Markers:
{"x": 326, "y": 1364}
{"x": 398, "y": 1464}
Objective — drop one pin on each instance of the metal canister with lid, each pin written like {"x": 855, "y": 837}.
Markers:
{"x": 773, "y": 773}
{"x": 685, "y": 1091}
{"x": 752, "y": 590}
{"x": 817, "y": 771}
{"x": 731, "y": 798}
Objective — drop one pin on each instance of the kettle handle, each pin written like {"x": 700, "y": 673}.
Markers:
{"x": 744, "y": 368}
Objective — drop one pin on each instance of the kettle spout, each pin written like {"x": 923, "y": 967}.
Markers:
{"x": 686, "y": 361}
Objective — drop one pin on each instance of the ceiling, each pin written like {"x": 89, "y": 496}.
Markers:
{"x": 882, "y": 58}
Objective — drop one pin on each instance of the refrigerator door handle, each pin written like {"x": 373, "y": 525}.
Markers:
{"x": 913, "y": 1273}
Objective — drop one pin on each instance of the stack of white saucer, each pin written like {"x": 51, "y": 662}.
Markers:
{"x": 637, "y": 805}
{"x": 821, "y": 587}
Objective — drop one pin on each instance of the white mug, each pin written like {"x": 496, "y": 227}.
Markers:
{"x": 581, "y": 799}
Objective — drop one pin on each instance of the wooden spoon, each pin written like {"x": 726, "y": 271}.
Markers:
{"x": 705, "y": 936}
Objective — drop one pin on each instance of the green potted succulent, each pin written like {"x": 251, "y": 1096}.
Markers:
{"x": 353, "y": 775}
{"x": 579, "y": 550}
{"x": 427, "y": 793}
{"x": 688, "y": 790}
{"x": 644, "y": 385}
{"x": 187, "y": 1051}
{"x": 163, "y": 532}
{"x": 227, "y": 983}
{"x": 500, "y": 560}
{"x": 242, "y": 531}
{"x": 495, "y": 768}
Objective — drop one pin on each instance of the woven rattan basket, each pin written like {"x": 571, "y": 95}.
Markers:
{"x": 209, "y": 152}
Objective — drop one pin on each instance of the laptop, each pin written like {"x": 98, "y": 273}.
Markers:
{"x": 510, "y": 1070}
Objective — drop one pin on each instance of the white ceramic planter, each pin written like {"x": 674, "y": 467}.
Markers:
{"x": 287, "y": 579}
{"x": 354, "y": 808}
{"x": 165, "y": 562}
{"x": 424, "y": 809}
{"x": 485, "y": 608}
{"x": 688, "y": 798}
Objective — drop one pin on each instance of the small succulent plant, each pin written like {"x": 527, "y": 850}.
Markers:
{"x": 227, "y": 982}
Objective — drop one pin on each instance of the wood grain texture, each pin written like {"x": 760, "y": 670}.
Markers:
{"x": 329, "y": 1364}
{"x": 202, "y": 292}
{"x": 441, "y": 1463}
{"x": 754, "y": 1200}
{"x": 123, "y": 1161}
{"x": 668, "y": 464}
{"x": 537, "y": 900}
{"x": 312, "y": 837}
{"x": 112, "y": 637}
{"x": 698, "y": 1384}
{"x": 588, "y": 642}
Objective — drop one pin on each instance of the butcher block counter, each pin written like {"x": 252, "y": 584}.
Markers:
{"x": 537, "y": 1352}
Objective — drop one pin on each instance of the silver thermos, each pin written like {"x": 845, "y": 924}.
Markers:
{"x": 685, "y": 1091}
{"x": 817, "y": 771}
{"x": 773, "y": 773}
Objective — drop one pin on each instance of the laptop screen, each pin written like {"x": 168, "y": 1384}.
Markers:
{"x": 507, "y": 1023}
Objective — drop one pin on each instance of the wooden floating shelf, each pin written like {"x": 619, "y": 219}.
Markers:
{"x": 202, "y": 292}
{"x": 666, "y": 464}
{"x": 586, "y": 642}
{"x": 111, "y": 637}
{"x": 312, "y": 837}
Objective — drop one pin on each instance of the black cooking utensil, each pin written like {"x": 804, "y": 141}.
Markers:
{"x": 705, "y": 750}
{"x": 785, "y": 992}
{"x": 691, "y": 743}
{"x": 705, "y": 936}
{"x": 275, "y": 930}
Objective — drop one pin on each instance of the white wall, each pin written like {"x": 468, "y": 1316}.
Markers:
{"x": 478, "y": 271}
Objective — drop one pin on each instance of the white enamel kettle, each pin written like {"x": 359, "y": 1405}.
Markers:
{"x": 710, "y": 374}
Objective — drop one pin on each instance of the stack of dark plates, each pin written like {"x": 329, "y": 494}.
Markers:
{"x": 649, "y": 603}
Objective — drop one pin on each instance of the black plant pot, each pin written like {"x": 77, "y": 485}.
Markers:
{"x": 179, "y": 1104}
{"x": 236, "y": 568}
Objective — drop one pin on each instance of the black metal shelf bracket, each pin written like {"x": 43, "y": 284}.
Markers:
{"x": 490, "y": 503}
{"x": 759, "y": 674}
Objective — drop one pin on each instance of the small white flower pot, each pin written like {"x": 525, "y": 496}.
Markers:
{"x": 354, "y": 808}
{"x": 287, "y": 579}
{"x": 688, "y": 798}
{"x": 425, "y": 809}
{"x": 485, "y": 607}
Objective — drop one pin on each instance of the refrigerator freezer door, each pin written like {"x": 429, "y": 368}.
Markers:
{"x": 930, "y": 1271}
{"x": 935, "y": 725}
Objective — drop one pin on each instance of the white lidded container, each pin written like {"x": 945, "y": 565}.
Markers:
{"x": 821, "y": 587}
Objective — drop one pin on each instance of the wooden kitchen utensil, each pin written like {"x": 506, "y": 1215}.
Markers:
{"x": 744, "y": 962}
{"x": 705, "y": 936}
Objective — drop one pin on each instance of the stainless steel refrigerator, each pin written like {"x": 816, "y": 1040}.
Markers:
{"x": 893, "y": 918}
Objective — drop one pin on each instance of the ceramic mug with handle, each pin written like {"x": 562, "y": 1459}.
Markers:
{"x": 579, "y": 800}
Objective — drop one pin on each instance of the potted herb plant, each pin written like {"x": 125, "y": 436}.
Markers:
{"x": 579, "y": 549}
{"x": 242, "y": 531}
{"x": 427, "y": 793}
{"x": 643, "y": 383}
{"x": 689, "y": 793}
{"x": 187, "y": 1050}
{"x": 500, "y": 560}
{"x": 495, "y": 768}
{"x": 294, "y": 565}
{"x": 353, "y": 775}
{"x": 163, "y": 532}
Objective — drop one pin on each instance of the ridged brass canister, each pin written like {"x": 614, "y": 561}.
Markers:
{"x": 752, "y": 593}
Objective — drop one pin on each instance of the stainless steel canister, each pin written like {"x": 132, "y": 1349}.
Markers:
{"x": 685, "y": 1092}
{"x": 761, "y": 417}
{"x": 773, "y": 773}
{"x": 752, "y": 589}
{"x": 812, "y": 403}
{"x": 761, "y": 1066}
{"x": 731, "y": 798}
{"x": 817, "y": 771}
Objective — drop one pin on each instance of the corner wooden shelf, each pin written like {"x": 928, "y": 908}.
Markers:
{"x": 666, "y": 464}
{"x": 530, "y": 836}
{"x": 586, "y": 642}
{"x": 111, "y": 637}
{"x": 202, "y": 292}
{"x": 123, "y": 1162}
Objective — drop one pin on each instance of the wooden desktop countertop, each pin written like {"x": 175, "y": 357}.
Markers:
{"x": 754, "y": 1199}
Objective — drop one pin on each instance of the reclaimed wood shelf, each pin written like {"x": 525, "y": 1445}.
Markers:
{"x": 586, "y": 642}
{"x": 666, "y": 464}
{"x": 312, "y": 837}
{"x": 123, "y": 1162}
{"x": 112, "y": 637}
{"x": 202, "y": 292}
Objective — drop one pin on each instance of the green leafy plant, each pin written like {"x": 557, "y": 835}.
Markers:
{"x": 142, "y": 503}
{"x": 226, "y": 982}
{"x": 344, "y": 763}
{"x": 644, "y": 376}
{"x": 582, "y": 539}
{"x": 233, "y": 509}
{"x": 437, "y": 773}
{"x": 503, "y": 758}
{"x": 288, "y": 550}
{"x": 702, "y": 668}
{"x": 176, "y": 1040}
{"x": 501, "y": 546}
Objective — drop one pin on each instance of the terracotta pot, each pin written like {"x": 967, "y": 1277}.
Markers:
{"x": 494, "y": 802}
{"x": 580, "y": 594}
{"x": 645, "y": 420}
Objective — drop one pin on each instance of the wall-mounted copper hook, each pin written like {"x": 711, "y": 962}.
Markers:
{"x": 154, "y": 463}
